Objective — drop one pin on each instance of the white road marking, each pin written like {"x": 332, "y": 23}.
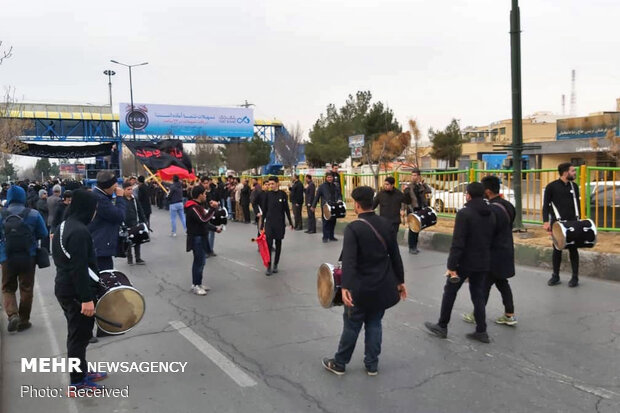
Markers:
{"x": 227, "y": 366}
{"x": 243, "y": 264}
{"x": 72, "y": 408}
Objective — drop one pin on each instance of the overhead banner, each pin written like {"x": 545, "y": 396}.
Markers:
{"x": 148, "y": 119}
{"x": 160, "y": 155}
{"x": 61, "y": 151}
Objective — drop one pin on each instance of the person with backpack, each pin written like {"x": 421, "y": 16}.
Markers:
{"x": 20, "y": 230}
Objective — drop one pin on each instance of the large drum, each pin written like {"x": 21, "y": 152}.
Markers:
{"x": 421, "y": 219}
{"x": 118, "y": 302}
{"x": 138, "y": 234}
{"x": 579, "y": 234}
{"x": 220, "y": 217}
{"x": 329, "y": 278}
{"x": 334, "y": 210}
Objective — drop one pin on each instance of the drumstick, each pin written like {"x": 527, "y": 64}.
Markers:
{"x": 112, "y": 323}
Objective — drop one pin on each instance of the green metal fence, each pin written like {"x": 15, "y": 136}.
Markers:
{"x": 599, "y": 188}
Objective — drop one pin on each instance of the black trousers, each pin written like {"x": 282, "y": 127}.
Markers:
{"x": 573, "y": 253}
{"x": 311, "y": 219}
{"x": 79, "y": 331}
{"x": 278, "y": 250}
{"x": 297, "y": 216}
{"x": 504, "y": 289}
{"x": 136, "y": 248}
{"x": 246, "y": 212}
{"x": 476, "y": 290}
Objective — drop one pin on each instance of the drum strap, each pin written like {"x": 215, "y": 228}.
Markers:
{"x": 92, "y": 274}
{"x": 555, "y": 210}
{"x": 376, "y": 233}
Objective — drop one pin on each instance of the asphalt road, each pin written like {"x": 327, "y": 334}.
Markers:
{"x": 254, "y": 343}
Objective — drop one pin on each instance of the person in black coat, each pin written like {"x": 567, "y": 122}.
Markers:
{"x": 373, "y": 280}
{"x": 470, "y": 258}
{"x": 561, "y": 202}
{"x": 74, "y": 254}
{"x": 144, "y": 199}
{"x": 275, "y": 208}
{"x": 391, "y": 202}
{"x": 415, "y": 197}
{"x": 502, "y": 251}
{"x": 310, "y": 193}
{"x": 244, "y": 201}
{"x": 328, "y": 192}
{"x": 133, "y": 216}
{"x": 297, "y": 200}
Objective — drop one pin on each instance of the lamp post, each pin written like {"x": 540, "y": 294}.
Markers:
{"x": 131, "y": 97}
{"x": 109, "y": 74}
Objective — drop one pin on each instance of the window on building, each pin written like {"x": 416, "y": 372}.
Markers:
{"x": 577, "y": 161}
{"x": 502, "y": 131}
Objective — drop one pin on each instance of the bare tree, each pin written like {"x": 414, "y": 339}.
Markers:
{"x": 287, "y": 145}
{"x": 207, "y": 157}
{"x": 387, "y": 147}
{"x": 5, "y": 54}
{"x": 416, "y": 135}
{"x": 128, "y": 163}
{"x": 12, "y": 127}
{"x": 236, "y": 156}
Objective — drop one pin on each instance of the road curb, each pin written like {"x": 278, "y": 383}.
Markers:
{"x": 600, "y": 265}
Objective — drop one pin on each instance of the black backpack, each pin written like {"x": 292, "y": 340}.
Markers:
{"x": 18, "y": 236}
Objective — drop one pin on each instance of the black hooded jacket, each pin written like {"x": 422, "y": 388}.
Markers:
{"x": 474, "y": 228}
{"x": 72, "y": 279}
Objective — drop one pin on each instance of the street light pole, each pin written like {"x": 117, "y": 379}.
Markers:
{"x": 131, "y": 100}
{"x": 110, "y": 73}
{"x": 517, "y": 125}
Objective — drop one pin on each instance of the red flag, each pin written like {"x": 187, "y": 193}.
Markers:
{"x": 263, "y": 248}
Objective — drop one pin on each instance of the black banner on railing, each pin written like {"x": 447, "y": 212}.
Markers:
{"x": 64, "y": 152}
{"x": 160, "y": 155}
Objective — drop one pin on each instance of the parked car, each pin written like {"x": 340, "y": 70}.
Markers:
{"x": 605, "y": 199}
{"x": 454, "y": 199}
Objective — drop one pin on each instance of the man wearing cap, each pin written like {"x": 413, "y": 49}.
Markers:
{"x": 110, "y": 215}
{"x": 470, "y": 258}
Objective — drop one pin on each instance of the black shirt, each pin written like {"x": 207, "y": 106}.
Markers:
{"x": 561, "y": 195}
{"x": 390, "y": 203}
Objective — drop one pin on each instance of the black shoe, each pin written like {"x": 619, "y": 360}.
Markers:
{"x": 311, "y": 232}
{"x": 268, "y": 272}
{"x": 330, "y": 364}
{"x": 140, "y": 262}
{"x": 24, "y": 326}
{"x": 574, "y": 282}
{"x": 371, "y": 371}
{"x": 101, "y": 333}
{"x": 481, "y": 337}
{"x": 333, "y": 239}
{"x": 325, "y": 241}
{"x": 306, "y": 232}
{"x": 129, "y": 262}
{"x": 93, "y": 340}
{"x": 13, "y": 323}
{"x": 441, "y": 332}
{"x": 275, "y": 269}
{"x": 554, "y": 280}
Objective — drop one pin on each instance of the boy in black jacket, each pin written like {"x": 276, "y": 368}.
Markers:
{"x": 470, "y": 257}
{"x": 74, "y": 254}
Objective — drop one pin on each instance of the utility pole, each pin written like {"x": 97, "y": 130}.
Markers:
{"x": 517, "y": 126}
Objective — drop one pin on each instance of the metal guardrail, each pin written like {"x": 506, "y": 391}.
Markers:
{"x": 599, "y": 188}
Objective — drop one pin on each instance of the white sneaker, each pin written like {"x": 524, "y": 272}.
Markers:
{"x": 174, "y": 234}
{"x": 205, "y": 287}
{"x": 198, "y": 290}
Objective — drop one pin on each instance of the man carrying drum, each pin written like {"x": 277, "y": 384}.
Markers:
{"x": 373, "y": 280}
{"x": 561, "y": 198}
{"x": 73, "y": 252}
{"x": 328, "y": 192}
{"x": 415, "y": 197}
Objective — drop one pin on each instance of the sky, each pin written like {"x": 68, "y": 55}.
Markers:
{"x": 430, "y": 60}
